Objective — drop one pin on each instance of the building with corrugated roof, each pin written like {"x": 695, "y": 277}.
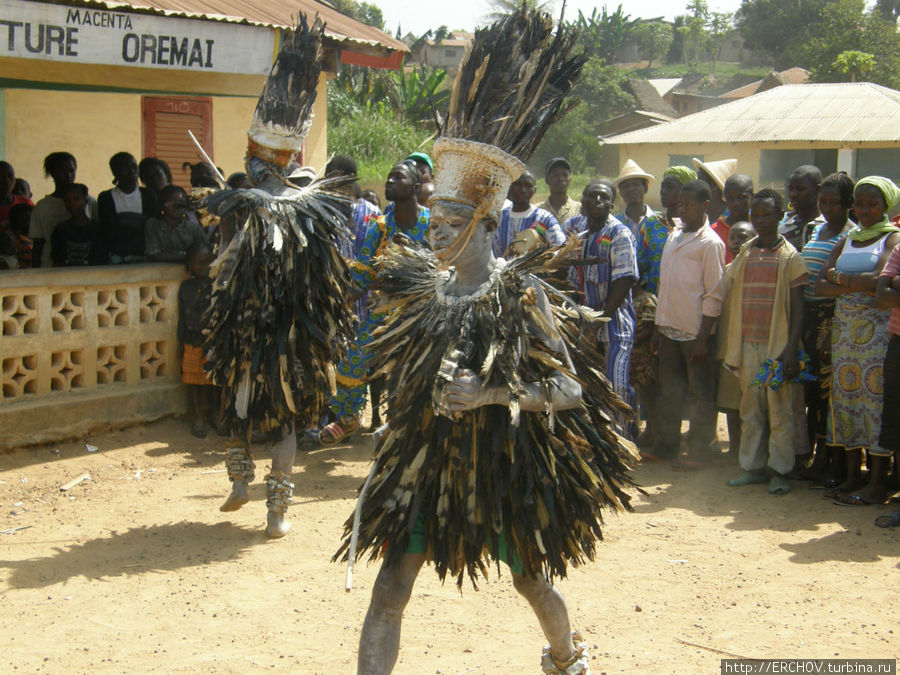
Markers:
{"x": 98, "y": 77}
{"x": 854, "y": 127}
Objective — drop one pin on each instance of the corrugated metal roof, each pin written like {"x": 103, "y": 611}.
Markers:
{"x": 270, "y": 13}
{"x": 841, "y": 113}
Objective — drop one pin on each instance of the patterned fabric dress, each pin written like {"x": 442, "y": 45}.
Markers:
{"x": 364, "y": 215}
{"x": 605, "y": 257}
{"x": 353, "y": 368}
{"x": 653, "y": 235}
{"x": 818, "y": 315}
{"x": 859, "y": 345}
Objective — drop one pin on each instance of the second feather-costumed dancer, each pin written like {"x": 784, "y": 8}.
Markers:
{"x": 280, "y": 316}
{"x": 498, "y": 447}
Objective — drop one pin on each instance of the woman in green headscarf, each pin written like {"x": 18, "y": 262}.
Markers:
{"x": 859, "y": 344}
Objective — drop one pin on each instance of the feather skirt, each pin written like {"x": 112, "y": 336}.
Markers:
{"x": 538, "y": 479}
{"x": 279, "y": 317}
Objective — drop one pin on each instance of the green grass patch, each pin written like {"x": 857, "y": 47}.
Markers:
{"x": 377, "y": 143}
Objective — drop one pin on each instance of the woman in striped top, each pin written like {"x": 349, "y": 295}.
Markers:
{"x": 835, "y": 200}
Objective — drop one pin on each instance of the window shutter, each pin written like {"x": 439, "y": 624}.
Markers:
{"x": 166, "y": 123}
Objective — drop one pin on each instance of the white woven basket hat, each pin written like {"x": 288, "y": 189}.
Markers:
{"x": 469, "y": 172}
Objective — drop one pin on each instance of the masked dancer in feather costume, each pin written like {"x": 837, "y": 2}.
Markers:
{"x": 500, "y": 446}
{"x": 280, "y": 316}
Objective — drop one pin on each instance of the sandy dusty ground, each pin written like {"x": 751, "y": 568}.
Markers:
{"x": 136, "y": 570}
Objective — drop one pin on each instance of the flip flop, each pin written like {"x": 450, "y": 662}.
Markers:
{"x": 852, "y": 500}
{"x": 647, "y": 457}
{"x": 748, "y": 478}
{"x": 890, "y": 520}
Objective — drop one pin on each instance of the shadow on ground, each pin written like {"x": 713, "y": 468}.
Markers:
{"x": 155, "y": 548}
{"x": 705, "y": 493}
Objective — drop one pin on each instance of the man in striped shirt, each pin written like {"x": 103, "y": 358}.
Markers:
{"x": 521, "y": 214}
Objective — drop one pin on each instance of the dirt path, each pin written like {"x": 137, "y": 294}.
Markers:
{"x": 136, "y": 570}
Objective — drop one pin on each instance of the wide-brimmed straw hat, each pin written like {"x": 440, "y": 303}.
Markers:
{"x": 719, "y": 170}
{"x": 632, "y": 170}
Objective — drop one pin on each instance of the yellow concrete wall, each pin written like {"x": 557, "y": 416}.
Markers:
{"x": 230, "y": 120}
{"x": 317, "y": 140}
{"x": 95, "y": 125}
{"x": 92, "y": 126}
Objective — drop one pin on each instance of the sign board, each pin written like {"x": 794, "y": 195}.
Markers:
{"x": 37, "y": 30}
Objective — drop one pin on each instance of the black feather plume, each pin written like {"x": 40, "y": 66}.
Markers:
{"x": 514, "y": 83}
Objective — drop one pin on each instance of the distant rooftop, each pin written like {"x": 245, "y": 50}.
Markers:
{"x": 664, "y": 85}
{"x": 790, "y": 76}
{"x": 841, "y": 113}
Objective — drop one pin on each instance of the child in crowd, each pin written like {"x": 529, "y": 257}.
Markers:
{"x": 737, "y": 195}
{"x": 193, "y": 299}
{"x": 51, "y": 210}
{"x": 690, "y": 301}
{"x": 19, "y": 220}
{"x": 22, "y": 188}
{"x": 764, "y": 287}
{"x": 372, "y": 197}
{"x": 803, "y": 192}
{"x": 170, "y": 234}
{"x": 728, "y": 391}
{"x": 77, "y": 241}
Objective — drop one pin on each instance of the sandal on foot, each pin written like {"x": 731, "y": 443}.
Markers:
{"x": 848, "y": 499}
{"x": 338, "y": 431}
{"x": 890, "y": 520}
{"x": 779, "y": 486}
{"x": 748, "y": 478}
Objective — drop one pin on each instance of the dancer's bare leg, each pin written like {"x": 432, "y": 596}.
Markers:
{"x": 550, "y": 607}
{"x": 379, "y": 643}
{"x": 279, "y": 488}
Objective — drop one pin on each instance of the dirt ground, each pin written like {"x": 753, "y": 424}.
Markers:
{"x": 136, "y": 570}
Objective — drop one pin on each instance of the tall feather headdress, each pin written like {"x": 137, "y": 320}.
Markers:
{"x": 283, "y": 112}
{"x": 514, "y": 83}
{"x": 280, "y": 316}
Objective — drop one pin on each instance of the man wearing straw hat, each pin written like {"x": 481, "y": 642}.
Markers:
{"x": 714, "y": 174}
{"x": 633, "y": 183}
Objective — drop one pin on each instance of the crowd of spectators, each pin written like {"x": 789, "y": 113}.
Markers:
{"x": 786, "y": 320}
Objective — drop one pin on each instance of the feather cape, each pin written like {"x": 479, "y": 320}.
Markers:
{"x": 280, "y": 316}
{"x": 538, "y": 479}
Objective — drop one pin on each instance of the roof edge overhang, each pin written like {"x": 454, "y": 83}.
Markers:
{"x": 356, "y": 51}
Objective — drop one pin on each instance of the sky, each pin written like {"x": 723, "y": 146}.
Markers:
{"x": 418, "y": 17}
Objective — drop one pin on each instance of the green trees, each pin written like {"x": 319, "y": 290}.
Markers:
{"x": 367, "y": 12}
{"x": 654, "y": 39}
{"x": 854, "y": 63}
{"x": 838, "y": 40}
